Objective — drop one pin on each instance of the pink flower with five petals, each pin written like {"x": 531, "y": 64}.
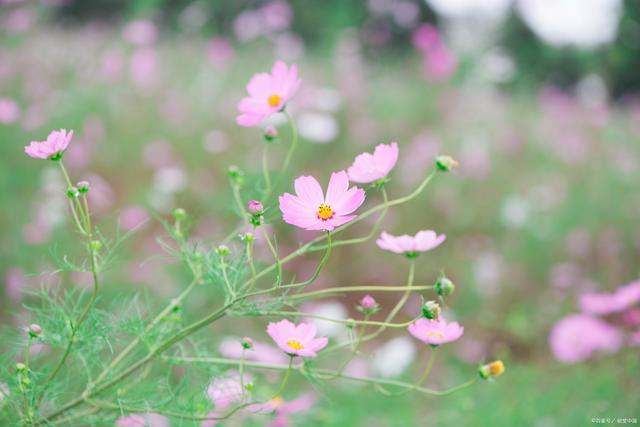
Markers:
{"x": 268, "y": 94}
{"x": 423, "y": 241}
{"x": 312, "y": 210}
{"x": 373, "y": 167}
{"x": 296, "y": 340}
{"x": 52, "y": 148}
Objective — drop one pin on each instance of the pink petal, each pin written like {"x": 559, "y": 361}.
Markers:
{"x": 338, "y": 185}
{"x": 351, "y": 201}
{"x": 309, "y": 190}
{"x": 249, "y": 120}
{"x": 385, "y": 157}
{"x": 261, "y": 86}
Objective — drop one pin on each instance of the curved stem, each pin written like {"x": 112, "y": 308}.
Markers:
{"x": 252, "y": 266}
{"x": 423, "y": 378}
{"x": 341, "y": 321}
{"x": 292, "y": 147}
{"x": 274, "y": 252}
{"x": 223, "y": 267}
{"x": 322, "y": 263}
{"x": 285, "y": 380}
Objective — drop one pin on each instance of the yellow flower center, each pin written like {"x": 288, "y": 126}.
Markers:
{"x": 435, "y": 334}
{"x": 496, "y": 368}
{"x": 295, "y": 345}
{"x": 325, "y": 212}
{"x": 276, "y": 402}
{"x": 274, "y": 100}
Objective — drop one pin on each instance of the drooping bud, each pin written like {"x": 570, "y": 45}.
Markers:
{"x": 431, "y": 310}
{"x": 223, "y": 251}
{"x": 179, "y": 214}
{"x": 444, "y": 287}
{"x": 255, "y": 207}
{"x": 83, "y": 187}
{"x": 368, "y": 305}
{"x": 247, "y": 343}
{"x": 446, "y": 163}
{"x": 34, "y": 330}
{"x": 493, "y": 369}
{"x": 270, "y": 134}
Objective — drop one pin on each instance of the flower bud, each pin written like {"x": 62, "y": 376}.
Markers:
{"x": 493, "y": 369}
{"x": 34, "y": 330}
{"x": 179, "y": 214}
{"x": 247, "y": 343}
{"x": 72, "y": 192}
{"x": 255, "y": 207}
{"x": 444, "y": 287}
{"x": 247, "y": 237}
{"x": 235, "y": 174}
{"x": 21, "y": 367}
{"x": 446, "y": 163}
{"x": 431, "y": 310}
{"x": 96, "y": 245}
{"x": 270, "y": 134}
{"x": 83, "y": 187}
{"x": 368, "y": 305}
{"x": 223, "y": 251}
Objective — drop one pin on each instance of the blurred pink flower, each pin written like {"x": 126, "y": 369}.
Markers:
{"x": 261, "y": 352}
{"x": 634, "y": 339}
{"x": 426, "y": 37}
{"x": 9, "y": 111}
{"x": 296, "y": 340}
{"x": 311, "y": 210}
{"x": 226, "y": 390}
{"x": 268, "y": 94}
{"x": 143, "y": 67}
{"x": 132, "y": 217}
{"x": 143, "y": 420}
{"x": 439, "y": 64}
{"x": 372, "y": 167}
{"x": 423, "y": 241}
{"x": 220, "y": 51}
{"x": 435, "y": 332}
{"x": 141, "y": 32}
{"x": 282, "y": 409}
{"x": 575, "y": 337}
{"x": 276, "y": 15}
{"x": 601, "y": 303}
{"x": 53, "y": 147}
{"x": 14, "y": 283}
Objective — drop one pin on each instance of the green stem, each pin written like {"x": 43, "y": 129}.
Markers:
{"x": 285, "y": 380}
{"x": 241, "y": 370}
{"x": 423, "y": 378}
{"x": 265, "y": 171}
{"x": 274, "y": 252}
{"x": 322, "y": 263}
{"x": 252, "y": 266}
{"x": 223, "y": 267}
{"x": 322, "y": 373}
{"x": 292, "y": 147}
{"x": 341, "y": 321}
{"x": 236, "y": 196}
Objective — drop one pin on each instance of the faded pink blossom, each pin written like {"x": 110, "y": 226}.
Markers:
{"x": 9, "y": 111}
{"x": 439, "y": 64}
{"x": 282, "y": 409}
{"x": 423, "y": 241}
{"x": 220, "y": 51}
{"x": 268, "y": 94}
{"x": 143, "y": 420}
{"x": 575, "y": 337}
{"x": 52, "y": 148}
{"x": 426, "y": 37}
{"x": 634, "y": 339}
{"x": 141, "y": 32}
{"x": 373, "y": 167}
{"x": 261, "y": 352}
{"x": 435, "y": 332}
{"x": 602, "y": 303}
{"x": 226, "y": 390}
{"x": 132, "y": 217}
{"x": 296, "y": 340}
{"x": 311, "y": 210}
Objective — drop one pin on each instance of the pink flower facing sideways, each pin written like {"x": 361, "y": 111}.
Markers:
{"x": 435, "y": 332}
{"x": 296, "y": 340}
{"x": 268, "y": 94}
{"x": 52, "y": 148}
{"x": 312, "y": 210}
{"x": 368, "y": 167}
{"x": 423, "y": 241}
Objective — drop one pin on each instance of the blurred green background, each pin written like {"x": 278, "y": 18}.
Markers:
{"x": 537, "y": 100}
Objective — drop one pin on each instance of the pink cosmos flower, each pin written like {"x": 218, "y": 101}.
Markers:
{"x": 282, "y": 409}
{"x": 311, "y": 210}
{"x": 268, "y": 94}
{"x": 574, "y": 338}
{"x": 435, "y": 332}
{"x": 52, "y": 148}
{"x": 296, "y": 340}
{"x": 372, "y": 167}
{"x": 602, "y": 303}
{"x": 423, "y": 241}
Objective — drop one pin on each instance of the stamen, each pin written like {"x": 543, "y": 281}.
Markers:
{"x": 295, "y": 345}
{"x": 274, "y": 100}
{"x": 325, "y": 212}
{"x": 435, "y": 334}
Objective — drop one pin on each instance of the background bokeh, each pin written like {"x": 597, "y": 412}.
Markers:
{"x": 537, "y": 99}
